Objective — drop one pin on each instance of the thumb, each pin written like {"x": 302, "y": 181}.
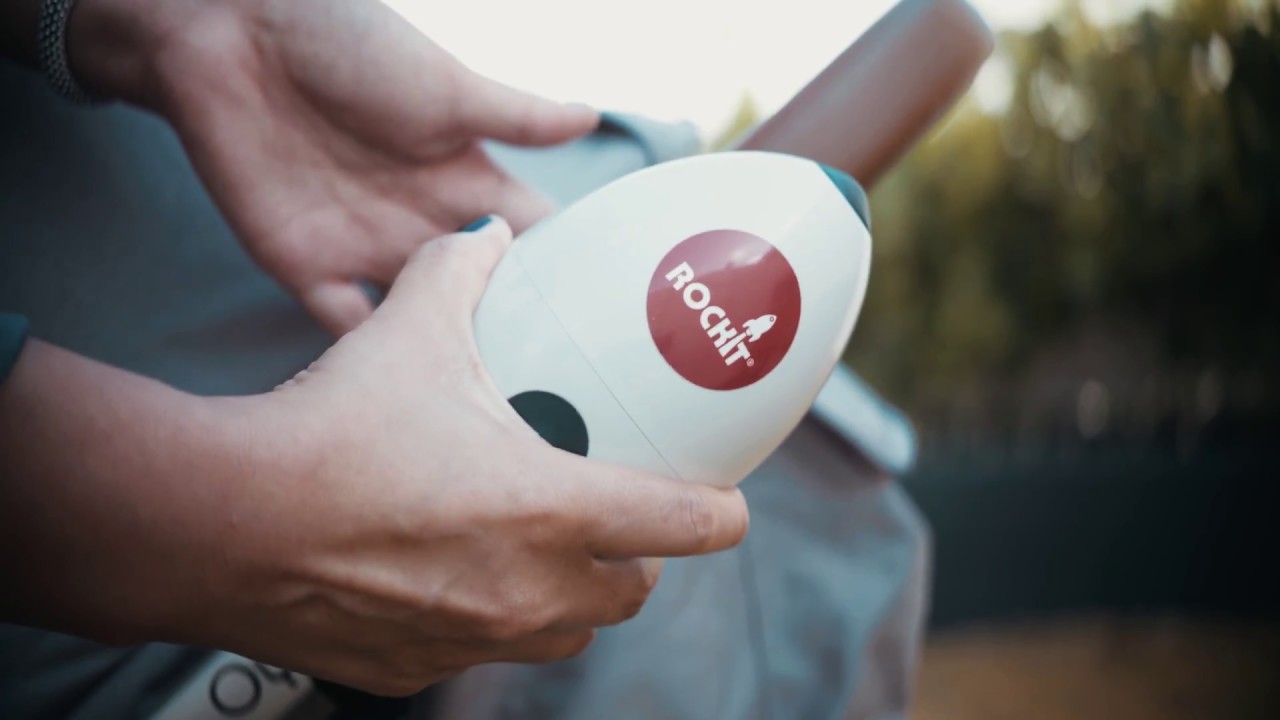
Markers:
{"x": 490, "y": 109}
{"x": 450, "y": 274}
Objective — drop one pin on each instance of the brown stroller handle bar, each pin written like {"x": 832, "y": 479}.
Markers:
{"x": 873, "y": 102}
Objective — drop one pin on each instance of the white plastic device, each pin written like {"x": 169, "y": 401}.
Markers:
{"x": 682, "y": 319}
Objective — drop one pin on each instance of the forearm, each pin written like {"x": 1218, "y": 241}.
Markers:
{"x": 112, "y": 488}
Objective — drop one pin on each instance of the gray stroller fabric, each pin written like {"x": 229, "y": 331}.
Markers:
{"x": 816, "y": 615}
{"x": 112, "y": 248}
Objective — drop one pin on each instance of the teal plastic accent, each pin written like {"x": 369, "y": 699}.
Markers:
{"x": 852, "y": 192}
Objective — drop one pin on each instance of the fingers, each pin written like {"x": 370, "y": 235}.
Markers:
{"x": 450, "y": 274}
{"x": 339, "y": 306}
{"x": 496, "y": 191}
{"x": 546, "y": 646}
{"x": 616, "y": 592}
{"x": 630, "y": 514}
{"x": 523, "y": 206}
{"x": 601, "y": 594}
{"x": 491, "y": 109}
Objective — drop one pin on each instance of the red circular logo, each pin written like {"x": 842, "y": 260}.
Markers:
{"x": 724, "y": 306}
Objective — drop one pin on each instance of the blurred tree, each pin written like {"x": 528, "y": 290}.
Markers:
{"x": 1104, "y": 248}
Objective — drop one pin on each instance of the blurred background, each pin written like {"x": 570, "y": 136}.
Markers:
{"x": 1085, "y": 326}
{"x": 1074, "y": 297}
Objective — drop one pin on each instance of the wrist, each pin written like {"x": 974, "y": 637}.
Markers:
{"x": 252, "y": 524}
{"x": 194, "y": 481}
{"x": 114, "y": 47}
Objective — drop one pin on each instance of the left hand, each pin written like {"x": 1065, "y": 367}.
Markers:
{"x": 333, "y": 135}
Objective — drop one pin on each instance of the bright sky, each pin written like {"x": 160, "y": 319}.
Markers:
{"x": 678, "y": 59}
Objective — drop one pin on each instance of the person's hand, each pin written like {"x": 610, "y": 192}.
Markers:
{"x": 333, "y": 135}
{"x": 382, "y": 520}
{"x": 423, "y": 527}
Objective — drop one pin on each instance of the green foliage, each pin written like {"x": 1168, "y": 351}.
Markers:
{"x": 1116, "y": 224}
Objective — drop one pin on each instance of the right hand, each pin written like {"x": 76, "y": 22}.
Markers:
{"x": 333, "y": 135}
{"x": 421, "y": 527}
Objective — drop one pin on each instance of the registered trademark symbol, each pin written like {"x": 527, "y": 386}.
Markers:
{"x": 751, "y": 362}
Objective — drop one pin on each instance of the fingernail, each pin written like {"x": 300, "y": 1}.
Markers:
{"x": 475, "y": 225}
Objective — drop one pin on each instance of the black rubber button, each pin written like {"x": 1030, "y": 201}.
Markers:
{"x": 554, "y": 418}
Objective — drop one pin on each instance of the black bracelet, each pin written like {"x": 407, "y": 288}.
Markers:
{"x": 53, "y": 52}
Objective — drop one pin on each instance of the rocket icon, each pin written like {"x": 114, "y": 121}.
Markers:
{"x": 759, "y": 326}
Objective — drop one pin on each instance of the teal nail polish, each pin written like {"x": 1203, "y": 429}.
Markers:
{"x": 475, "y": 225}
